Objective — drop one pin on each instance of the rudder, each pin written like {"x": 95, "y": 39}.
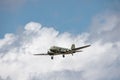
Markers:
{"x": 72, "y": 46}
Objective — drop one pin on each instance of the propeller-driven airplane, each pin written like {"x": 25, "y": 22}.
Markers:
{"x": 55, "y": 50}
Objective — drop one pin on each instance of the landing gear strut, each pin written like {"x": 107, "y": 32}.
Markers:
{"x": 72, "y": 54}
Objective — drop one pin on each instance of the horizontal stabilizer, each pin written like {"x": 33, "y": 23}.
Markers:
{"x": 79, "y": 51}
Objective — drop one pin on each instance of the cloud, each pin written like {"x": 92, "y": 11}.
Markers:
{"x": 101, "y": 61}
{"x": 106, "y": 27}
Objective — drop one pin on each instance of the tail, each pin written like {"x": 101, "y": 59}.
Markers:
{"x": 72, "y": 46}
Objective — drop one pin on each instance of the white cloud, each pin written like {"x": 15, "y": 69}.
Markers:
{"x": 100, "y": 61}
{"x": 106, "y": 27}
{"x": 8, "y": 39}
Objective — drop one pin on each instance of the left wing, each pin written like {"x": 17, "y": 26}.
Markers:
{"x": 40, "y": 54}
{"x": 81, "y": 47}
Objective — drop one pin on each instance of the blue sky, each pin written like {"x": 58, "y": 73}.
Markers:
{"x": 72, "y": 16}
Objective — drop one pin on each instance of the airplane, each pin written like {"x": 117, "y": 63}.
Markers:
{"x": 55, "y": 50}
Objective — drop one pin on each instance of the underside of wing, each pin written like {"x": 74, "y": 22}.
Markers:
{"x": 81, "y": 47}
{"x": 40, "y": 54}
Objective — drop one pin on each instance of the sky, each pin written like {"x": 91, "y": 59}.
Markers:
{"x": 28, "y": 27}
{"x": 73, "y": 16}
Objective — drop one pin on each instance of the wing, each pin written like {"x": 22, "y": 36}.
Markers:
{"x": 81, "y": 47}
{"x": 40, "y": 54}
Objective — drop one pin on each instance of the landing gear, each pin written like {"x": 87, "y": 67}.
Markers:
{"x": 72, "y": 54}
{"x": 63, "y": 56}
{"x": 52, "y": 57}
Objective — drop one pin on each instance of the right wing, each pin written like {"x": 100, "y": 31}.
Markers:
{"x": 81, "y": 47}
{"x": 40, "y": 54}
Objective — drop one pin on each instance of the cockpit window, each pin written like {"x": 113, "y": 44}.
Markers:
{"x": 53, "y": 47}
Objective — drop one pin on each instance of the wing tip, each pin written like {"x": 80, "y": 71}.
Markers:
{"x": 88, "y": 45}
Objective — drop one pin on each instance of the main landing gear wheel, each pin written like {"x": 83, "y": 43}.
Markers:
{"x": 63, "y": 56}
{"x": 52, "y": 57}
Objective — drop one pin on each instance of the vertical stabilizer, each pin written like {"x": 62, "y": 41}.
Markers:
{"x": 73, "y": 46}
